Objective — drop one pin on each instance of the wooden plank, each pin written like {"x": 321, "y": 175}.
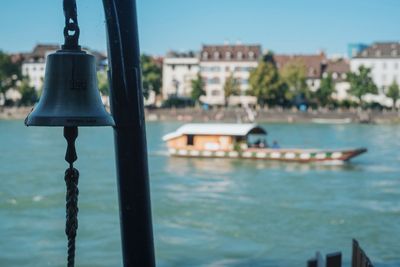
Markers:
{"x": 363, "y": 259}
{"x": 354, "y": 258}
{"x": 334, "y": 259}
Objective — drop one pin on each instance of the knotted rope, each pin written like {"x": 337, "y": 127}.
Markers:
{"x": 71, "y": 180}
{"x": 71, "y": 224}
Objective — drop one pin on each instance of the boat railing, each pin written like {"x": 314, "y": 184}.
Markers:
{"x": 359, "y": 258}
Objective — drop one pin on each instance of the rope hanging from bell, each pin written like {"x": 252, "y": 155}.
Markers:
{"x": 71, "y": 180}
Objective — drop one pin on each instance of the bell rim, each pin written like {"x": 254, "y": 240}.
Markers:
{"x": 89, "y": 121}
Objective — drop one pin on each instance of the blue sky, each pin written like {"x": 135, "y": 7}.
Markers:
{"x": 284, "y": 26}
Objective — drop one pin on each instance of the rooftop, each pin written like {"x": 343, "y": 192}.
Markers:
{"x": 313, "y": 63}
{"x": 231, "y": 52}
{"x": 381, "y": 50}
{"x": 225, "y": 129}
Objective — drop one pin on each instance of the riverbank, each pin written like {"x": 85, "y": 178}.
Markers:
{"x": 14, "y": 113}
{"x": 243, "y": 115}
{"x": 273, "y": 115}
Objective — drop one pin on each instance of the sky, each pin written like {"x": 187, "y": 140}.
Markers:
{"x": 283, "y": 26}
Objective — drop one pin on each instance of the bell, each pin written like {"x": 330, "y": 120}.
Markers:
{"x": 70, "y": 95}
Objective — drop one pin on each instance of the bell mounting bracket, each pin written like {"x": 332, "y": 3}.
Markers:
{"x": 71, "y": 29}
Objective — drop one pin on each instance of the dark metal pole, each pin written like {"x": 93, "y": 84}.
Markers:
{"x": 129, "y": 132}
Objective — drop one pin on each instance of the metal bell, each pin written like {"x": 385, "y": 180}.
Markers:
{"x": 70, "y": 95}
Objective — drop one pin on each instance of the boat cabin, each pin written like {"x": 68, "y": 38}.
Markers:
{"x": 210, "y": 136}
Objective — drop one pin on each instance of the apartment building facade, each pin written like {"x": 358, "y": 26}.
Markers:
{"x": 179, "y": 69}
{"x": 218, "y": 62}
{"x": 34, "y": 64}
{"x": 383, "y": 58}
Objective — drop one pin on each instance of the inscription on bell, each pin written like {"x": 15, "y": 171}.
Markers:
{"x": 78, "y": 85}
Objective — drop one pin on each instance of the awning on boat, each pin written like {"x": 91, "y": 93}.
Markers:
{"x": 224, "y": 129}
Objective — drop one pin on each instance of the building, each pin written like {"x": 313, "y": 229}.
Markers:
{"x": 179, "y": 69}
{"x": 354, "y": 49}
{"x": 218, "y": 62}
{"x": 383, "y": 58}
{"x": 34, "y": 64}
{"x": 338, "y": 68}
{"x": 314, "y": 64}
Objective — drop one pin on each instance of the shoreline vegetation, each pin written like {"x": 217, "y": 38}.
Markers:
{"x": 232, "y": 115}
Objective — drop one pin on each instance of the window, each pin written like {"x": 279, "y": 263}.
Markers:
{"x": 251, "y": 55}
{"x": 239, "y": 55}
{"x": 228, "y": 55}
{"x": 394, "y": 53}
{"x": 227, "y": 69}
{"x": 215, "y": 92}
{"x": 205, "y": 55}
{"x": 173, "y": 67}
{"x": 334, "y": 75}
{"x": 189, "y": 67}
{"x": 190, "y": 140}
{"x": 216, "y": 55}
{"x": 214, "y": 80}
{"x": 378, "y": 53}
{"x": 244, "y": 81}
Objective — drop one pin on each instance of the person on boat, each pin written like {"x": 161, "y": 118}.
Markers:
{"x": 275, "y": 145}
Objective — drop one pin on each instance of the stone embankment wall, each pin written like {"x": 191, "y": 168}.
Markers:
{"x": 11, "y": 113}
{"x": 270, "y": 115}
{"x": 242, "y": 115}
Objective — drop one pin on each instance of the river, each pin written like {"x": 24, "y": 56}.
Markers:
{"x": 206, "y": 212}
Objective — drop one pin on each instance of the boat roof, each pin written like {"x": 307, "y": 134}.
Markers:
{"x": 226, "y": 129}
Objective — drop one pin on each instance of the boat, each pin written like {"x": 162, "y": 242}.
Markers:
{"x": 331, "y": 121}
{"x": 244, "y": 141}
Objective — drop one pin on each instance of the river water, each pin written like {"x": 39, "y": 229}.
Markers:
{"x": 206, "y": 212}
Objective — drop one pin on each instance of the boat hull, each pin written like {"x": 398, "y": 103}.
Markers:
{"x": 288, "y": 155}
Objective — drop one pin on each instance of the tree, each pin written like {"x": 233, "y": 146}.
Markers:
{"x": 197, "y": 88}
{"x": 151, "y": 75}
{"x": 103, "y": 85}
{"x": 231, "y": 87}
{"x": 361, "y": 83}
{"x": 28, "y": 93}
{"x": 265, "y": 83}
{"x": 10, "y": 73}
{"x": 324, "y": 93}
{"x": 393, "y": 93}
{"x": 294, "y": 74}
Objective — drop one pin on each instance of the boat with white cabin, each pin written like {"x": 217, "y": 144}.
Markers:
{"x": 248, "y": 141}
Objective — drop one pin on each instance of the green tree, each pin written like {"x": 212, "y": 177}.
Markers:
{"x": 28, "y": 93}
{"x": 324, "y": 93}
{"x": 151, "y": 75}
{"x": 197, "y": 88}
{"x": 265, "y": 83}
{"x": 103, "y": 85}
{"x": 393, "y": 93}
{"x": 361, "y": 83}
{"x": 294, "y": 74}
{"x": 10, "y": 73}
{"x": 231, "y": 87}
